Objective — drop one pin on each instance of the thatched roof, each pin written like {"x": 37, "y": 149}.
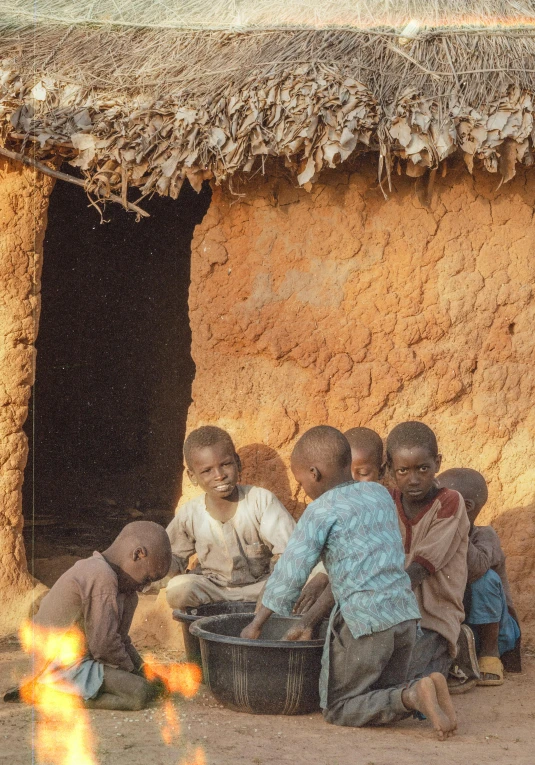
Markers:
{"x": 148, "y": 92}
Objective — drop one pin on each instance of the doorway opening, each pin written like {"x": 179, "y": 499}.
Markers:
{"x": 114, "y": 371}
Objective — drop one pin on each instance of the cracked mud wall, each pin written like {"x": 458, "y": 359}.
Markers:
{"x": 339, "y": 307}
{"x": 23, "y": 206}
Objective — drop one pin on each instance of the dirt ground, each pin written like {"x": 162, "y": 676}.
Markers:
{"x": 496, "y": 726}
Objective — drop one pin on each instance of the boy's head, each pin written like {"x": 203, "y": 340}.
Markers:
{"x": 212, "y": 462}
{"x": 413, "y": 459}
{"x": 366, "y": 454}
{"x": 471, "y": 486}
{"x": 141, "y": 554}
{"x": 321, "y": 460}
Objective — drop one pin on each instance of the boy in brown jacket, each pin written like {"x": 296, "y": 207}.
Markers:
{"x": 434, "y": 528}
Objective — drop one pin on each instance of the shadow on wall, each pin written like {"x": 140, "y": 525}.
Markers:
{"x": 516, "y": 528}
{"x": 262, "y": 466}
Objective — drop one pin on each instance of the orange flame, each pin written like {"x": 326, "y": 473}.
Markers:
{"x": 63, "y": 734}
{"x": 199, "y": 758}
{"x": 171, "y": 728}
{"x": 177, "y": 678}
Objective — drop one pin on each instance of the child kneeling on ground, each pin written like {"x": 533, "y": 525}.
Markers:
{"x": 490, "y": 612}
{"x": 238, "y": 532}
{"x": 354, "y": 528}
{"x": 99, "y": 596}
{"x": 366, "y": 465}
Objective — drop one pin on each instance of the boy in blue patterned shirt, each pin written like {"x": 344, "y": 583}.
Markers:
{"x": 353, "y": 527}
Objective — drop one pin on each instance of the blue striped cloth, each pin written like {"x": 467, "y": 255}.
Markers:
{"x": 354, "y": 529}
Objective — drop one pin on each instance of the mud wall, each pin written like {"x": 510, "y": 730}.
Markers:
{"x": 23, "y": 206}
{"x": 339, "y": 307}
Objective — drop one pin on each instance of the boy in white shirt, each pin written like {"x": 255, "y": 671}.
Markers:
{"x": 238, "y": 532}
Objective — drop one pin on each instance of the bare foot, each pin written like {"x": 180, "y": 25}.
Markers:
{"x": 444, "y": 698}
{"x": 422, "y": 696}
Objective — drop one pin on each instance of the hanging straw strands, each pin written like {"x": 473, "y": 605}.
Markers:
{"x": 145, "y": 94}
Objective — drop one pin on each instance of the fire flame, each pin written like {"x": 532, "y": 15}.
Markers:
{"x": 197, "y": 759}
{"x": 170, "y": 729}
{"x": 177, "y": 678}
{"x": 63, "y": 734}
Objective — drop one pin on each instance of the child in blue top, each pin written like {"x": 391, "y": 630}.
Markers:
{"x": 353, "y": 527}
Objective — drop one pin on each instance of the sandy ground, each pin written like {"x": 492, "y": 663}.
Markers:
{"x": 496, "y": 726}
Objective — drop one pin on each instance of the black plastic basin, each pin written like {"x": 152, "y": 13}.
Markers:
{"x": 191, "y": 643}
{"x": 267, "y": 676}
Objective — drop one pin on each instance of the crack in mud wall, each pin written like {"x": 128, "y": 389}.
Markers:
{"x": 339, "y": 307}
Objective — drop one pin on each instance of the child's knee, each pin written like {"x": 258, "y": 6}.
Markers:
{"x": 140, "y": 696}
{"x": 487, "y": 586}
{"x": 182, "y": 591}
{"x": 487, "y": 599}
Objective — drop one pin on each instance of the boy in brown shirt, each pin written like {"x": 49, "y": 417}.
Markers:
{"x": 99, "y": 596}
{"x": 434, "y": 527}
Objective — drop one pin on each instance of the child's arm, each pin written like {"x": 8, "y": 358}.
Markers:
{"x": 417, "y": 573}
{"x": 304, "y": 628}
{"x": 484, "y": 552}
{"x": 446, "y": 533}
{"x": 311, "y": 593}
{"x": 254, "y": 628}
{"x": 104, "y": 632}
{"x": 276, "y": 524}
{"x": 136, "y": 658}
{"x": 182, "y": 541}
{"x": 301, "y": 555}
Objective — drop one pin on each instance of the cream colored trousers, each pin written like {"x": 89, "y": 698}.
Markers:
{"x": 196, "y": 590}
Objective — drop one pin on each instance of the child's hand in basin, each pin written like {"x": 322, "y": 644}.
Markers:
{"x": 300, "y": 631}
{"x": 251, "y": 632}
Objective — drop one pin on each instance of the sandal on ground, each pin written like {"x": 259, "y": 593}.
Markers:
{"x": 466, "y": 659}
{"x": 458, "y": 682}
{"x": 490, "y": 665}
{"x": 13, "y": 696}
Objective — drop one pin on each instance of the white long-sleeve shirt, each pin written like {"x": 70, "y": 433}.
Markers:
{"x": 236, "y": 552}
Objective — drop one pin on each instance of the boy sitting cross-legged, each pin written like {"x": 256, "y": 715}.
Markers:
{"x": 237, "y": 531}
{"x": 434, "y": 527}
{"x": 353, "y": 528}
{"x": 490, "y": 612}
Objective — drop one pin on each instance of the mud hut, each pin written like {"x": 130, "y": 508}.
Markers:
{"x": 364, "y": 252}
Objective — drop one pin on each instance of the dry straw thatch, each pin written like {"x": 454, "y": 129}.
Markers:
{"x": 145, "y": 93}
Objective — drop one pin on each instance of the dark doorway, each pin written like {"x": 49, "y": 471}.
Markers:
{"x": 114, "y": 369}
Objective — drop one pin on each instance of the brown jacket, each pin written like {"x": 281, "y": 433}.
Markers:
{"x": 437, "y": 539}
{"x": 88, "y": 595}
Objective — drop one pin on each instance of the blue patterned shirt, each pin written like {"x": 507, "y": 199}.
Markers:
{"x": 354, "y": 529}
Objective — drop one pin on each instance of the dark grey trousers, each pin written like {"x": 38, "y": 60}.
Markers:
{"x": 431, "y": 654}
{"x": 368, "y": 674}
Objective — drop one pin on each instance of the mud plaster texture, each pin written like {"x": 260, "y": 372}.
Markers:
{"x": 23, "y": 205}
{"x": 339, "y": 307}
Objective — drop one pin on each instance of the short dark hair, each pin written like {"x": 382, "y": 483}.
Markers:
{"x": 325, "y": 444}
{"x": 366, "y": 440}
{"x": 468, "y": 482}
{"x": 409, "y": 434}
{"x": 206, "y": 435}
